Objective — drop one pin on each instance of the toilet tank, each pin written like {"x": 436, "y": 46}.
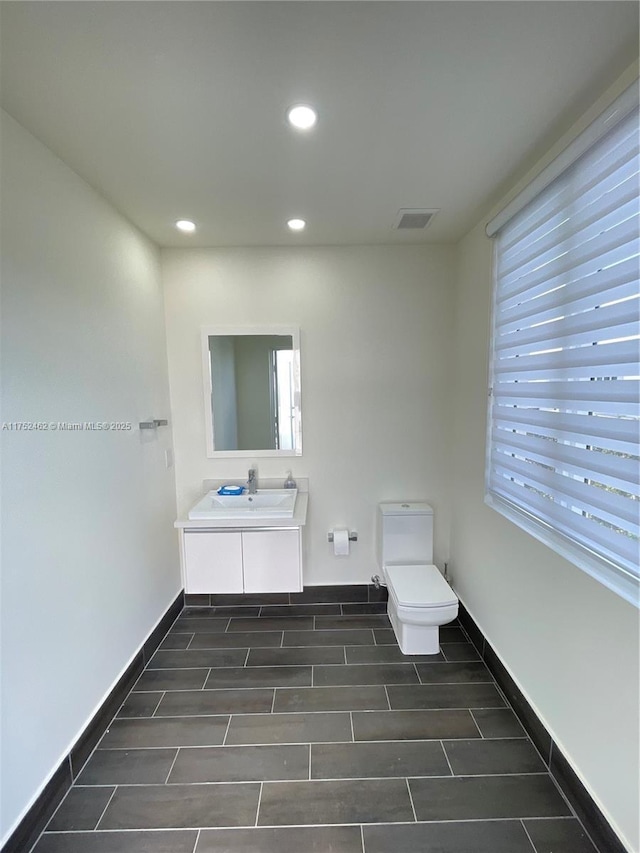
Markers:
{"x": 405, "y": 533}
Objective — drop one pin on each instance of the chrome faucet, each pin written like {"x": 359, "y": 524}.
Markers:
{"x": 252, "y": 482}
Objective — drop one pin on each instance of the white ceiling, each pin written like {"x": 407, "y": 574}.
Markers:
{"x": 176, "y": 109}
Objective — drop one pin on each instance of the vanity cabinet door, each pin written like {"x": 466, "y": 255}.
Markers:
{"x": 213, "y": 561}
{"x": 272, "y": 561}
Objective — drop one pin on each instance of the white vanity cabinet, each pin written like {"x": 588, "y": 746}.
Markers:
{"x": 271, "y": 560}
{"x": 260, "y": 553}
{"x": 236, "y": 561}
{"x": 212, "y": 561}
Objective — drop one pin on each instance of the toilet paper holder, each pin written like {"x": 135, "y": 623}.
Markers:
{"x": 353, "y": 536}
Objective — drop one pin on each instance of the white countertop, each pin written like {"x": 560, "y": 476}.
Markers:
{"x": 299, "y": 519}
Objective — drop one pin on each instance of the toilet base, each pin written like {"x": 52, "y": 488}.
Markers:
{"x": 414, "y": 639}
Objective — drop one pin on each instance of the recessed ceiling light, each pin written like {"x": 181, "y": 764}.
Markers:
{"x": 302, "y": 116}
{"x": 185, "y": 225}
{"x": 296, "y": 224}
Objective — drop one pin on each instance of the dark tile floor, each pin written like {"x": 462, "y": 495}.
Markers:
{"x": 303, "y": 729}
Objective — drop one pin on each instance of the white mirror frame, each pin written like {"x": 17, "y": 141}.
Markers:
{"x": 294, "y": 333}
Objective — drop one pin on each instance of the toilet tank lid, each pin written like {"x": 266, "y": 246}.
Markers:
{"x": 419, "y": 586}
{"x": 405, "y": 508}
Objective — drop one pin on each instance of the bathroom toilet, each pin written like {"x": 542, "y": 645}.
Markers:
{"x": 420, "y": 599}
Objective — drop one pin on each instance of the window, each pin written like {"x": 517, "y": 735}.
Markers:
{"x": 563, "y": 455}
{"x": 282, "y": 398}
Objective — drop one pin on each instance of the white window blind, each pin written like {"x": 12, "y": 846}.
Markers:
{"x": 563, "y": 455}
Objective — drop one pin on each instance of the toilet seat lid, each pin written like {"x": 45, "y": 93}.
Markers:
{"x": 419, "y": 586}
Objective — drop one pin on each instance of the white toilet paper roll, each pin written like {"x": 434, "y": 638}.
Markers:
{"x": 341, "y": 542}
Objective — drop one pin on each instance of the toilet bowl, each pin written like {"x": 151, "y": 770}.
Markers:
{"x": 420, "y": 599}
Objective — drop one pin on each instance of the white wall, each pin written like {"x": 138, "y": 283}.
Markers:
{"x": 570, "y": 643}
{"x": 89, "y": 556}
{"x": 375, "y": 350}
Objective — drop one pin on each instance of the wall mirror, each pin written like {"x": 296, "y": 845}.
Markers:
{"x": 252, "y": 391}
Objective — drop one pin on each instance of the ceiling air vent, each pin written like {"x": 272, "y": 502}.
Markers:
{"x": 412, "y": 219}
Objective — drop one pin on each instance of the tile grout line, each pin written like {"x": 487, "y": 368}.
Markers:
{"x": 246, "y": 657}
{"x": 95, "y": 828}
{"x": 447, "y": 757}
{"x": 195, "y": 846}
{"x": 259, "y": 803}
{"x": 466, "y": 634}
{"x": 50, "y": 818}
{"x": 413, "y": 808}
{"x": 54, "y": 833}
{"x": 175, "y": 758}
{"x": 471, "y": 710}
{"x": 353, "y": 736}
{"x": 153, "y": 713}
{"x": 206, "y": 678}
{"x": 269, "y": 743}
{"x": 309, "y": 762}
{"x": 475, "y": 722}
{"x": 503, "y": 694}
{"x": 526, "y": 832}
{"x": 386, "y": 693}
{"x": 481, "y": 648}
{"x": 244, "y": 783}
{"x": 362, "y": 838}
{"x": 565, "y": 797}
{"x": 444, "y": 707}
{"x": 190, "y": 640}
{"x": 226, "y": 730}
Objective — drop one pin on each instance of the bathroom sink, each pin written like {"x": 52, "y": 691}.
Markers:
{"x": 267, "y": 503}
